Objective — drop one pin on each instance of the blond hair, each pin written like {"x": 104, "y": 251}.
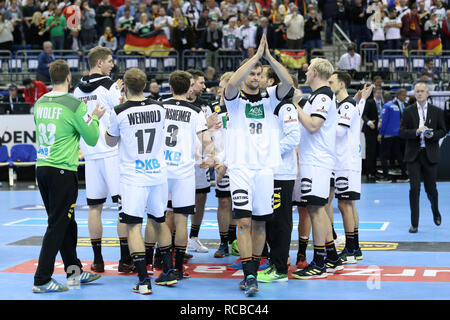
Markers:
{"x": 226, "y": 76}
{"x": 323, "y": 67}
{"x": 96, "y": 54}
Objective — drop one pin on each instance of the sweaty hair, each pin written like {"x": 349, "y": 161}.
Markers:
{"x": 96, "y": 54}
{"x": 180, "y": 81}
{"x": 196, "y": 73}
{"x": 271, "y": 74}
{"x": 135, "y": 80}
{"x": 344, "y": 77}
{"x": 59, "y": 70}
{"x": 323, "y": 67}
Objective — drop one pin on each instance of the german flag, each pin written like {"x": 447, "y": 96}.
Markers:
{"x": 435, "y": 45}
{"x": 292, "y": 59}
{"x": 155, "y": 40}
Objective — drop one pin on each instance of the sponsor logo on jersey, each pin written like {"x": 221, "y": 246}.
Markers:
{"x": 148, "y": 166}
{"x": 172, "y": 156}
{"x": 43, "y": 152}
{"x": 276, "y": 200}
{"x": 254, "y": 112}
{"x": 217, "y": 109}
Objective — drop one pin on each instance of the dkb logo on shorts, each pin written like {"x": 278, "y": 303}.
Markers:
{"x": 306, "y": 185}
{"x": 240, "y": 197}
{"x": 341, "y": 184}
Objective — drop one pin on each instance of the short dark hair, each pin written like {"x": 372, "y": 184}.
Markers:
{"x": 135, "y": 80}
{"x": 180, "y": 81}
{"x": 196, "y": 73}
{"x": 59, "y": 70}
{"x": 271, "y": 74}
{"x": 344, "y": 77}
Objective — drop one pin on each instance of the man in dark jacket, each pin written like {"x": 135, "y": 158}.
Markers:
{"x": 329, "y": 10}
{"x": 422, "y": 126}
{"x": 267, "y": 29}
{"x": 183, "y": 37}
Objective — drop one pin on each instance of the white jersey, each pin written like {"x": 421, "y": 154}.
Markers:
{"x": 140, "y": 125}
{"x": 101, "y": 90}
{"x": 252, "y": 139}
{"x": 289, "y": 130}
{"x": 318, "y": 149}
{"x": 183, "y": 122}
{"x": 348, "y": 144}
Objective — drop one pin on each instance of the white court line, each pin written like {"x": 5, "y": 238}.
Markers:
{"x": 18, "y": 221}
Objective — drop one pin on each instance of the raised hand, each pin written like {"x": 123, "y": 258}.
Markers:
{"x": 99, "y": 112}
{"x": 262, "y": 47}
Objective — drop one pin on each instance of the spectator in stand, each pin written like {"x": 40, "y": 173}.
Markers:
{"x": 267, "y": 29}
{"x": 432, "y": 33}
{"x": 142, "y": 8}
{"x": 154, "y": 90}
{"x": 212, "y": 38}
{"x": 88, "y": 34}
{"x": 172, "y": 6}
{"x": 44, "y": 59}
{"x": 144, "y": 25}
{"x": 214, "y": 10}
{"x": 108, "y": 40}
{"x": 295, "y": 29}
{"x": 155, "y": 10}
{"x": 28, "y": 10}
{"x": 445, "y": 36}
{"x": 273, "y": 11}
{"x": 284, "y": 8}
{"x": 254, "y": 7}
{"x": 426, "y": 78}
{"x": 402, "y": 8}
{"x": 248, "y": 34}
{"x": 313, "y": 28}
{"x": 280, "y": 32}
{"x": 432, "y": 71}
{"x": 411, "y": 28}
{"x": 423, "y": 12}
{"x": 164, "y": 22}
{"x": 192, "y": 10}
{"x": 6, "y": 33}
{"x": 124, "y": 26}
{"x": 392, "y": 25}
{"x": 34, "y": 89}
{"x": 183, "y": 37}
{"x": 230, "y": 8}
{"x": 231, "y": 40}
{"x": 359, "y": 32}
{"x": 105, "y": 16}
{"x": 350, "y": 61}
{"x": 37, "y": 29}
{"x": 49, "y": 10}
{"x": 13, "y": 97}
{"x": 121, "y": 10}
{"x": 342, "y": 14}
{"x": 14, "y": 14}
{"x": 440, "y": 10}
{"x": 302, "y": 73}
{"x": 329, "y": 10}
{"x": 211, "y": 80}
{"x": 56, "y": 25}
{"x": 377, "y": 27}
{"x": 178, "y": 16}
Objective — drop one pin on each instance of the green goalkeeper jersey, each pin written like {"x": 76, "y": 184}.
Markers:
{"x": 60, "y": 121}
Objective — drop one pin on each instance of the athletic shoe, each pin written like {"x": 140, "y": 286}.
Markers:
{"x": 187, "y": 256}
{"x": 98, "y": 267}
{"x": 84, "y": 277}
{"x": 150, "y": 269}
{"x": 402, "y": 179}
{"x": 223, "y": 251}
{"x": 301, "y": 261}
{"x": 263, "y": 264}
{"x": 312, "y": 271}
{"x": 383, "y": 180}
{"x": 237, "y": 265}
{"x": 126, "y": 267}
{"x": 242, "y": 285}
{"x": 166, "y": 279}
{"x": 181, "y": 275}
{"x": 333, "y": 266}
{"x": 143, "y": 287}
{"x": 347, "y": 257}
{"x": 251, "y": 286}
{"x": 358, "y": 254}
{"x": 194, "y": 244}
{"x": 271, "y": 275}
{"x": 51, "y": 286}
{"x": 235, "y": 248}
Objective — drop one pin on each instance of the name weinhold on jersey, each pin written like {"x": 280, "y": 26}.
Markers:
{"x": 144, "y": 117}
{"x": 178, "y": 115}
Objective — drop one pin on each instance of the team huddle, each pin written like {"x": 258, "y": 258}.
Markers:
{"x": 269, "y": 149}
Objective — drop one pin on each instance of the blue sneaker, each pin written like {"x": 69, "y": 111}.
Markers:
{"x": 251, "y": 286}
{"x": 51, "y": 286}
{"x": 143, "y": 287}
{"x": 83, "y": 278}
{"x": 347, "y": 257}
{"x": 237, "y": 265}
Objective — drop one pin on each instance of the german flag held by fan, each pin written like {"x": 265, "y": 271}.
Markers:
{"x": 155, "y": 40}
